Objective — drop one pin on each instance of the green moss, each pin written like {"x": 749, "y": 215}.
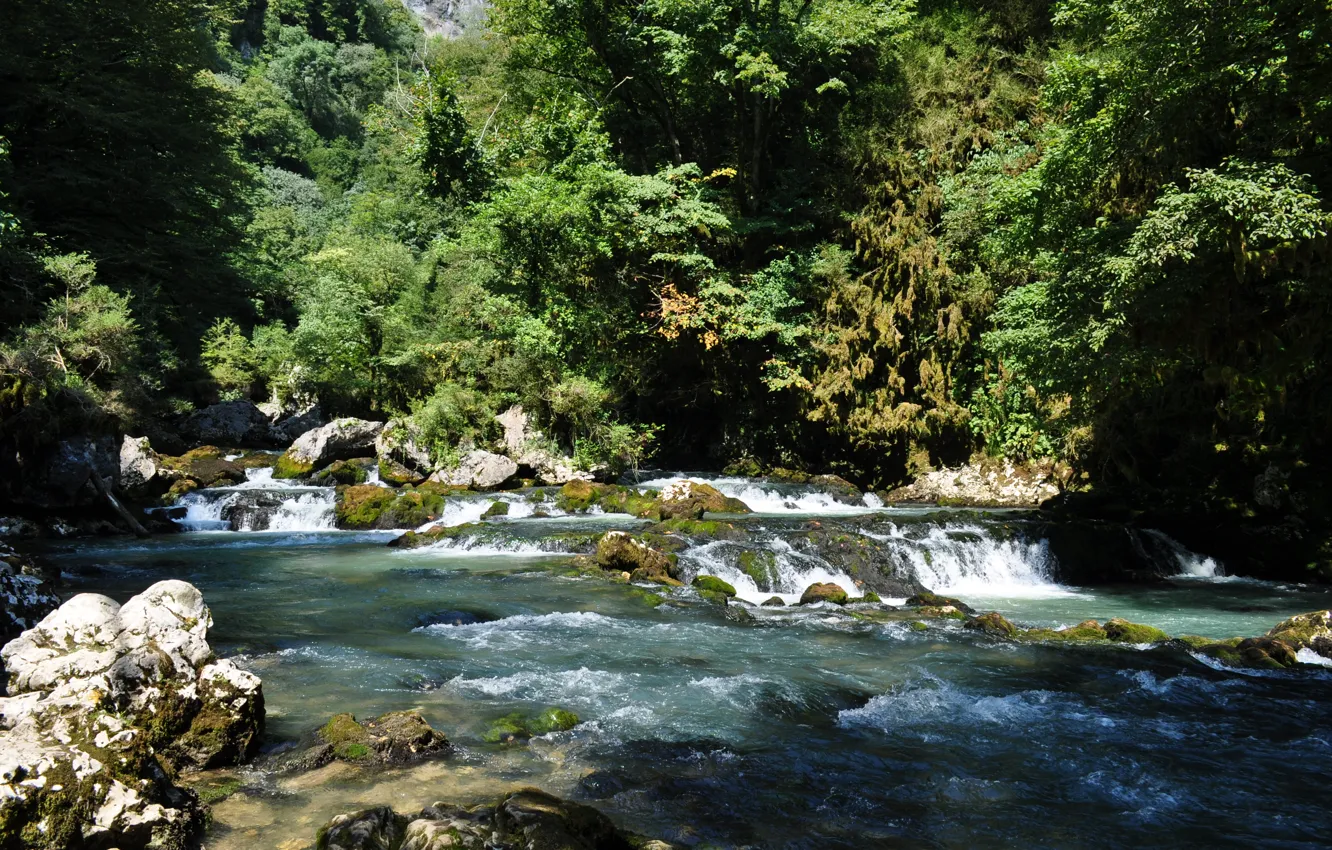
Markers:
{"x": 918, "y": 626}
{"x": 352, "y": 752}
{"x": 647, "y": 597}
{"x": 940, "y": 613}
{"x": 712, "y": 584}
{"x": 714, "y": 597}
{"x": 870, "y": 596}
{"x": 994, "y": 624}
{"x": 347, "y": 737}
{"x": 341, "y": 472}
{"x": 286, "y": 467}
{"x": 361, "y": 506}
{"x": 216, "y": 791}
{"x": 1122, "y": 631}
{"x": 577, "y": 496}
{"x": 496, "y": 509}
{"x": 507, "y": 729}
{"x": 553, "y": 719}
{"x": 396, "y": 475}
{"x": 760, "y": 565}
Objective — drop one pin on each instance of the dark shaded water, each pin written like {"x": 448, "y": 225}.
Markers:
{"x": 804, "y": 729}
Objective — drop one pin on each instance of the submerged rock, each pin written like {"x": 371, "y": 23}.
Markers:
{"x": 925, "y": 599}
{"x": 823, "y": 592}
{"x": 517, "y": 726}
{"x": 106, "y": 703}
{"x": 527, "y": 819}
{"x": 340, "y": 439}
{"x": 691, "y": 499}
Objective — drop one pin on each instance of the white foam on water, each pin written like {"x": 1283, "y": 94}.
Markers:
{"x": 793, "y": 570}
{"x": 769, "y": 499}
{"x": 930, "y": 708}
{"x": 1190, "y": 563}
{"x": 523, "y": 629}
{"x": 480, "y": 547}
{"x": 563, "y": 686}
{"x": 965, "y": 560}
{"x": 1308, "y": 656}
{"x": 301, "y": 507}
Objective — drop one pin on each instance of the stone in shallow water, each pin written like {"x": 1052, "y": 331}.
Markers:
{"x": 527, "y": 819}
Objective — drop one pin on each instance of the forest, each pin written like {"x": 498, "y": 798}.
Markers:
{"x": 870, "y": 237}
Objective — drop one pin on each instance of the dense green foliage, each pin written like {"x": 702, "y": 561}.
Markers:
{"x": 866, "y": 235}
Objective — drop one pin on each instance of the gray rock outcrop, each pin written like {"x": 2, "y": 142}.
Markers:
{"x": 994, "y": 484}
{"x": 341, "y": 439}
{"x": 230, "y": 423}
{"x": 478, "y": 470}
{"x": 101, "y": 698}
{"x": 529, "y": 447}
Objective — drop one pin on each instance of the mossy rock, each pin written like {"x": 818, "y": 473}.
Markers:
{"x": 918, "y": 626}
{"x": 553, "y": 719}
{"x": 578, "y": 496}
{"x": 213, "y": 791}
{"x": 870, "y": 596}
{"x": 760, "y": 565}
{"x": 620, "y": 551}
{"x": 178, "y": 488}
{"x": 710, "y": 528}
{"x": 712, "y": 584}
{"x": 647, "y": 597}
{"x": 206, "y": 467}
{"x": 1265, "y": 653}
{"x": 1122, "y": 631}
{"x": 343, "y": 472}
{"x": 1312, "y": 631}
{"x": 714, "y": 597}
{"x": 516, "y": 727}
{"x": 288, "y": 467}
{"x": 349, "y": 739}
{"x": 366, "y": 506}
{"x": 496, "y": 509}
{"x": 256, "y": 460}
{"x": 774, "y": 602}
{"x": 994, "y": 624}
{"x": 934, "y": 600}
{"x": 823, "y": 592}
{"x": 395, "y": 474}
{"x": 939, "y": 612}
{"x": 691, "y": 499}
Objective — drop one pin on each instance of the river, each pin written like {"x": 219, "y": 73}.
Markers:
{"x": 805, "y": 727}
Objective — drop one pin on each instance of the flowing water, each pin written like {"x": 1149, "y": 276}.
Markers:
{"x": 804, "y": 728}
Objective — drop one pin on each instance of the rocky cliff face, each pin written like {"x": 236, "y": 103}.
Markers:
{"x": 450, "y": 18}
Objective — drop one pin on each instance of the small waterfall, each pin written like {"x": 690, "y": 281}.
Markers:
{"x": 965, "y": 559}
{"x": 1189, "y": 563}
{"x": 772, "y": 498}
{"x": 259, "y": 504}
{"x": 782, "y": 571}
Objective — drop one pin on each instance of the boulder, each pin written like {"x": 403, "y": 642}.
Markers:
{"x": 691, "y": 499}
{"x": 527, "y": 819}
{"x": 578, "y": 496}
{"x": 27, "y": 593}
{"x": 529, "y": 447}
{"x": 230, "y": 423}
{"x": 1122, "y": 631}
{"x": 400, "y": 444}
{"x": 61, "y": 477}
{"x": 621, "y": 552}
{"x": 365, "y": 506}
{"x": 106, "y": 703}
{"x": 774, "y": 602}
{"x": 356, "y": 471}
{"x": 396, "y": 738}
{"x": 988, "y": 484}
{"x": 993, "y": 624}
{"x": 143, "y": 474}
{"x": 517, "y": 726}
{"x": 712, "y": 584}
{"x": 823, "y": 592}
{"x": 478, "y": 470}
{"x": 287, "y": 428}
{"x": 925, "y": 599}
{"x": 1312, "y": 631}
{"x": 341, "y": 439}
{"x": 202, "y": 467}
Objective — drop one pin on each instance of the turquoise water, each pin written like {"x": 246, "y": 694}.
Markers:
{"x": 805, "y": 728}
